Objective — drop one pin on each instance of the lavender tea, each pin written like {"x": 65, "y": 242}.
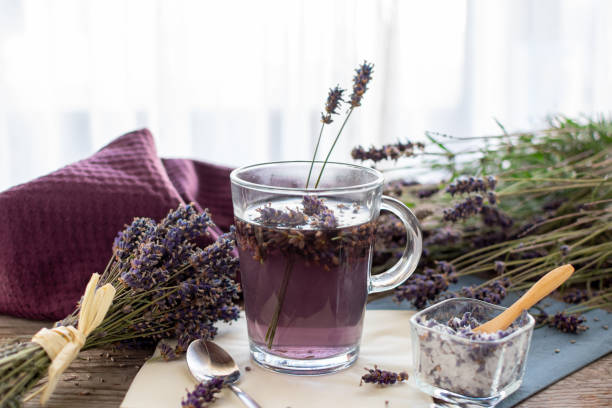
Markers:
{"x": 304, "y": 270}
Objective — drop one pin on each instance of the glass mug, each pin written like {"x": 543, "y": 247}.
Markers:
{"x": 306, "y": 257}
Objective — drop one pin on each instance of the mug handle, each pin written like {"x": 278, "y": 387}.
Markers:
{"x": 399, "y": 272}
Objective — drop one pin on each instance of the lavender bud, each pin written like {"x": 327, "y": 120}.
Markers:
{"x": 360, "y": 82}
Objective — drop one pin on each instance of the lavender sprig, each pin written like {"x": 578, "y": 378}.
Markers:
{"x": 386, "y": 152}
{"x": 573, "y": 323}
{"x": 334, "y": 99}
{"x": 466, "y": 185}
{"x": 203, "y": 395}
{"x": 360, "y": 82}
{"x": 382, "y": 377}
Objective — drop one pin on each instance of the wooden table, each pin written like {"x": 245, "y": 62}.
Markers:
{"x": 100, "y": 378}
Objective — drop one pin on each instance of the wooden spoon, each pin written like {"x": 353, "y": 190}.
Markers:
{"x": 542, "y": 288}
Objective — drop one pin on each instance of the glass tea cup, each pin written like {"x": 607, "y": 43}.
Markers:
{"x": 305, "y": 260}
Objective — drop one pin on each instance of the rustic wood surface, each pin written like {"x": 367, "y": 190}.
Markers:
{"x": 101, "y": 377}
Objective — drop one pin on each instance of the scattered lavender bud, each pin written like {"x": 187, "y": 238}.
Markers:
{"x": 565, "y": 249}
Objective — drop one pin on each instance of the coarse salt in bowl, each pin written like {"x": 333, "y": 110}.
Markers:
{"x": 457, "y": 365}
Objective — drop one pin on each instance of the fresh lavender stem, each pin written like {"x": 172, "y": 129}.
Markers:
{"x": 271, "y": 332}
{"x": 314, "y": 156}
{"x": 348, "y": 115}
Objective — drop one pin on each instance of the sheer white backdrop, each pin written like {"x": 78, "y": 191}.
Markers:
{"x": 235, "y": 82}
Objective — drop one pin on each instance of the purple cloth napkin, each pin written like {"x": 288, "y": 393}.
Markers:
{"x": 57, "y": 230}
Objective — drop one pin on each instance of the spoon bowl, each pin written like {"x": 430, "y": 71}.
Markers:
{"x": 207, "y": 360}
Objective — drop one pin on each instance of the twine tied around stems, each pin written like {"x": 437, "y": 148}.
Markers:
{"x": 63, "y": 343}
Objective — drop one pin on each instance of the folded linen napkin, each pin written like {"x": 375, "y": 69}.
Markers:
{"x": 385, "y": 342}
{"x": 57, "y": 230}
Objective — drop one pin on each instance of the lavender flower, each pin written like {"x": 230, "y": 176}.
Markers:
{"x": 272, "y": 216}
{"x": 382, "y": 377}
{"x": 465, "y": 185}
{"x": 167, "y": 352}
{"x": 386, "y": 152}
{"x": 203, "y": 394}
{"x": 325, "y": 219}
{"x": 190, "y": 288}
{"x": 568, "y": 323}
{"x": 312, "y": 205}
{"x": 128, "y": 239}
{"x": 576, "y": 295}
{"x": 494, "y": 292}
{"x": 421, "y": 288}
{"x": 492, "y": 198}
{"x": 360, "y": 82}
{"x": 333, "y": 103}
{"x": 500, "y": 267}
{"x": 427, "y": 192}
{"x": 465, "y": 209}
{"x": 493, "y": 216}
{"x": 443, "y": 236}
{"x": 565, "y": 249}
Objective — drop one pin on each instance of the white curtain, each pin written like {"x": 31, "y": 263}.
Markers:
{"x": 237, "y": 82}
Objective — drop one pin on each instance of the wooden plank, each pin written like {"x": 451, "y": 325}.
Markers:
{"x": 100, "y": 378}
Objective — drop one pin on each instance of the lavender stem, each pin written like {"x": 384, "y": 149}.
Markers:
{"x": 348, "y": 115}
{"x": 281, "y": 299}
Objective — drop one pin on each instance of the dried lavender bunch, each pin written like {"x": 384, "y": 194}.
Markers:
{"x": 386, "y": 152}
{"x": 166, "y": 286}
{"x": 548, "y": 204}
{"x": 382, "y": 377}
{"x": 204, "y": 394}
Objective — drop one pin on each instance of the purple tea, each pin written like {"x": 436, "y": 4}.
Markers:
{"x": 304, "y": 271}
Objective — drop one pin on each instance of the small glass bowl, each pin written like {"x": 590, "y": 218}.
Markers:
{"x": 468, "y": 372}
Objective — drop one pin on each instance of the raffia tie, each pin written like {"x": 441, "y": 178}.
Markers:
{"x": 63, "y": 343}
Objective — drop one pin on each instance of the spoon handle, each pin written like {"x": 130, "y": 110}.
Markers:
{"x": 244, "y": 397}
{"x": 542, "y": 288}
